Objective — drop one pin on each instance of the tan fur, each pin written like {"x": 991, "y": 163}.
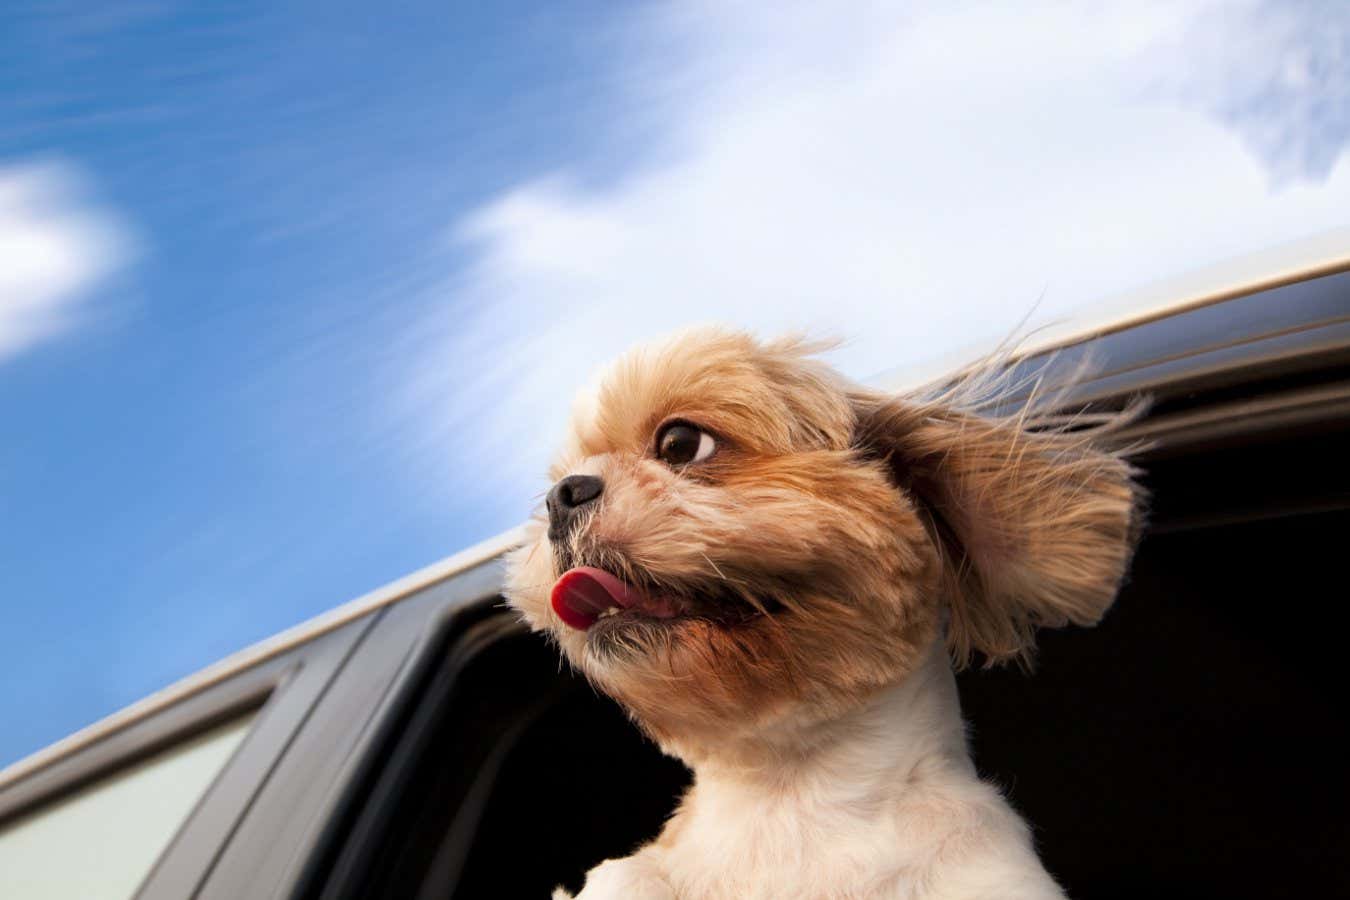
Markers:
{"x": 1036, "y": 523}
{"x": 858, "y": 522}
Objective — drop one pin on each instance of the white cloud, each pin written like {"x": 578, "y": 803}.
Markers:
{"x": 55, "y": 248}
{"x": 1278, "y": 73}
{"x": 910, "y": 177}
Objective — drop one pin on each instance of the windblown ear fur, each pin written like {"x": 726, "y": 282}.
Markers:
{"x": 1036, "y": 519}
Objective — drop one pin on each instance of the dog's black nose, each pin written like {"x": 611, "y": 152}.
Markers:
{"x": 569, "y": 496}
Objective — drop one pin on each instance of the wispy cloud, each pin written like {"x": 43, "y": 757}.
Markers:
{"x": 56, "y": 247}
{"x": 1277, "y": 73}
{"x": 910, "y": 177}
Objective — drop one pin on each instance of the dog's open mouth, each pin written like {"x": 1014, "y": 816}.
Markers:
{"x": 585, "y": 595}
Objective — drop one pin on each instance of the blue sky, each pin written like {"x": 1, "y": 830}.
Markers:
{"x": 293, "y": 296}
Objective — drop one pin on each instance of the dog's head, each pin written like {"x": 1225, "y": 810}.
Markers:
{"x": 738, "y": 538}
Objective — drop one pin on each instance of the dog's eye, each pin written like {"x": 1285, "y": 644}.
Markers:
{"x": 679, "y": 443}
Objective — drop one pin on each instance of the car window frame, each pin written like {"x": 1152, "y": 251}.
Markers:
{"x": 293, "y": 820}
{"x": 279, "y": 693}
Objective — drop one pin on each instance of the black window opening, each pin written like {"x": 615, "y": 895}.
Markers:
{"x": 506, "y": 776}
{"x": 1191, "y": 745}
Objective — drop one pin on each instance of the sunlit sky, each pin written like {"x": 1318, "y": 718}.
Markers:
{"x": 293, "y": 296}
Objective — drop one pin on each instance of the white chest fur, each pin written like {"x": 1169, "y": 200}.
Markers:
{"x": 889, "y": 806}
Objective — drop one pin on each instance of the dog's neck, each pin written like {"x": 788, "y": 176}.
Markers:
{"x": 898, "y": 735}
{"x": 881, "y": 801}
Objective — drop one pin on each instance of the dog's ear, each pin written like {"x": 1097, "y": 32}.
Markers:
{"x": 1035, "y": 525}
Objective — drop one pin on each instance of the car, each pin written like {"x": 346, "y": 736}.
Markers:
{"x": 418, "y": 742}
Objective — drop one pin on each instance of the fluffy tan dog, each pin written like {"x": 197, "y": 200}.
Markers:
{"x": 773, "y": 569}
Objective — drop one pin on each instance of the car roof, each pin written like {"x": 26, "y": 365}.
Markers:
{"x": 1253, "y": 273}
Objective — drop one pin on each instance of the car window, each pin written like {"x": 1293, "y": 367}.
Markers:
{"x": 100, "y": 841}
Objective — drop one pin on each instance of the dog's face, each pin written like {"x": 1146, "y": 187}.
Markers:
{"x": 739, "y": 539}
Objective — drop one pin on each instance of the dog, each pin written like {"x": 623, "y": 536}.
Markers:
{"x": 775, "y": 571}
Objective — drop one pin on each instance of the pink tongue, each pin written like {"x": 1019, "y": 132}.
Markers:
{"x": 583, "y": 593}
